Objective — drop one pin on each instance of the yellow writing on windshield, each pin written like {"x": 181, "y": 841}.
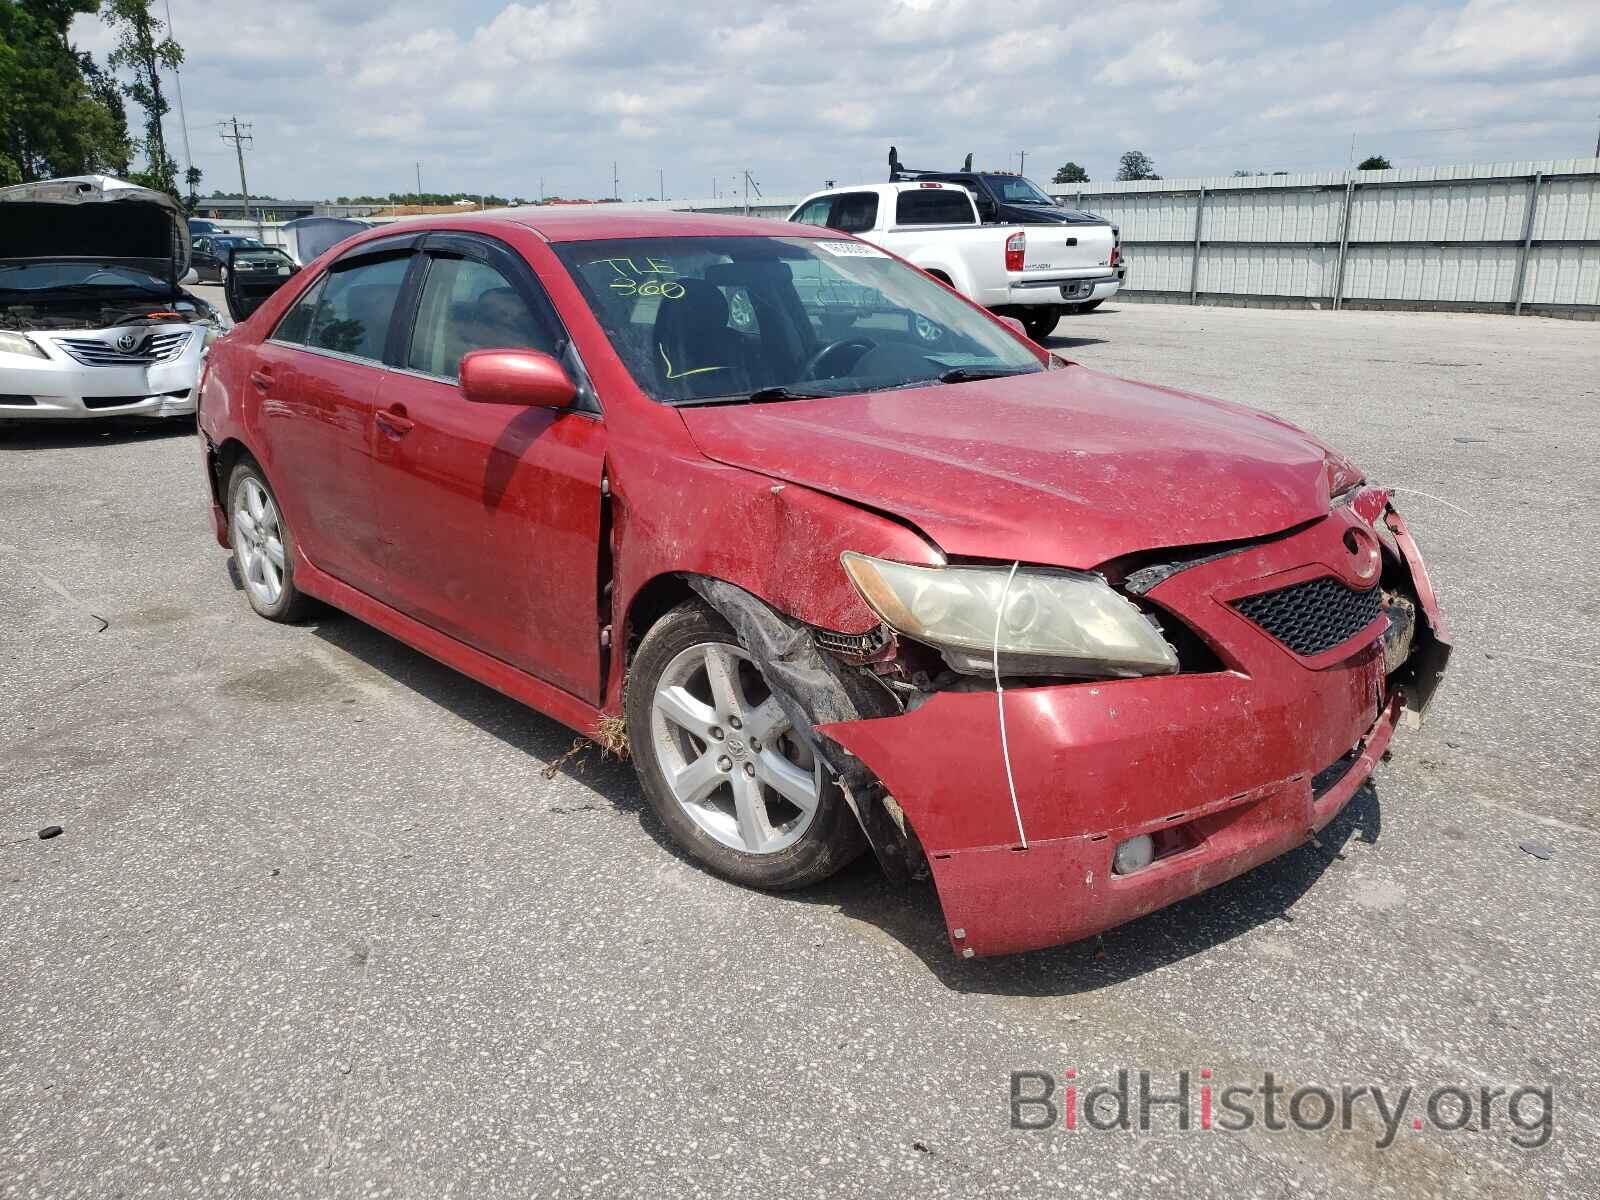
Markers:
{"x": 631, "y": 279}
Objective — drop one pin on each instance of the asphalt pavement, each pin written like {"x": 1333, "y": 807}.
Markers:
{"x": 319, "y": 924}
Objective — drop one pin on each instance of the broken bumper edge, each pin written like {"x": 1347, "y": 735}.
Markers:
{"x": 1002, "y": 900}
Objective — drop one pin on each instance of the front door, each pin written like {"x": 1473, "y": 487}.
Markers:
{"x": 489, "y": 513}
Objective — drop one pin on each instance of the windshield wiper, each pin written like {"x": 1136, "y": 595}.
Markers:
{"x": 759, "y": 396}
{"x": 968, "y": 374}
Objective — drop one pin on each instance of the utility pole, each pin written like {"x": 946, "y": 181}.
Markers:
{"x": 615, "y": 195}
{"x": 1022, "y": 162}
{"x": 1597, "y": 144}
{"x": 419, "y": 184}
{"x": 239, "y": 137}
{"x": 748, "y": 184}
{"x": 661, "y": 184}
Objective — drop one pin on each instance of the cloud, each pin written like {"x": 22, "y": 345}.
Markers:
{"x": 347, "y": 98}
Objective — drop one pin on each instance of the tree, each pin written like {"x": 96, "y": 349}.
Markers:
{"x": 1136, "y": 164}
{"x": 1376, "y": 163}
{"x": 54, "y": 115}
{"x": 143, "y": 49}
{"x": 1071, "y": 173}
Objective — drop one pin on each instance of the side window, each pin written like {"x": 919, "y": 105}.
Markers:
{"x": 201, "y": 245}
{"x": 468, "y": 305}
{"x": 296, "y": 322}
{"x": 815, "y": 213}
{"x": 855, "y": 212}
{"x": 933, "y": 206}
{"x": 356, "y": 306}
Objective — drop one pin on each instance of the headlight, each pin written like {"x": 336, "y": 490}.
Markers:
{"x": 16, "y": 343}
{"x": 1054, "y": 623}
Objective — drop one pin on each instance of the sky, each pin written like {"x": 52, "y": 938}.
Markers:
{"x": 346, "y": 98}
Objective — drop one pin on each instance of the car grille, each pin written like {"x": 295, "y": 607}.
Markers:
{"x": 1314, "y": 616}
{"x": 155, "y": 348}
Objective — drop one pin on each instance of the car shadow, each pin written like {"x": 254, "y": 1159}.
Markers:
{"x": 912, "y": 917}
{"x": 908, "y": 915}
{"x": 101, "y": 431}
{"x": 552, "y": 744}
{"x": 1055, "y": 342}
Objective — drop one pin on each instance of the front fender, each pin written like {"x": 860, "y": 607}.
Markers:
{"x": 778, "y": 541}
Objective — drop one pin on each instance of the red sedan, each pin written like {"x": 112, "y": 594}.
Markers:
{"x": 844, "y": 561}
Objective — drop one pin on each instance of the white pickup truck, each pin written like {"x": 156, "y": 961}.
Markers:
{"x": 1031, "y": 272}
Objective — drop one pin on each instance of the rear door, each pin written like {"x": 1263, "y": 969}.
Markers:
{"x": 489, "y": 513}
{"x": 316, "y": 376}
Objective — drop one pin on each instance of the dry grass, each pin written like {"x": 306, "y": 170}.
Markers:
{"x": 610, "y": 735}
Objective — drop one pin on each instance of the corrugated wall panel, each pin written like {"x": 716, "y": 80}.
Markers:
{"x": 1568, "y": 208}
{"x": 1272, "y": 216}
{"x": 1563, "y": 275}
{"x": 1478, "y": 274}
{"x": 1268, "y": 270}
{"x": 1452, "y": 212}
{"x": 1158, "y": 269}
{"x": 1468, "y": 208}
{"x": 1151, "y": 217}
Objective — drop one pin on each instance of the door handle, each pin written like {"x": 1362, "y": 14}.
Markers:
{"x": 261, "y": 379}
{"x": 393, "y": 420}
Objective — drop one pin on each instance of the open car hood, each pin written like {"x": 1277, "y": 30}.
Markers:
{"x": 1068, "y": 467}
{"x": 95, "y": 217}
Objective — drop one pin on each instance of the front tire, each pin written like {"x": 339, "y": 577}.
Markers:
{"x": 1039, "y": 321}
{"x": 734, "y": 782}
{"x": 263, "y": 547}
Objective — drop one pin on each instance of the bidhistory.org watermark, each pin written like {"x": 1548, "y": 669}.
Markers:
{"x": 1184, "y": 1100}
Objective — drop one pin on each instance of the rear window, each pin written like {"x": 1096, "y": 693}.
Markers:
{"x": 356, "y": 307}
{"x": 855, "y": 211}
{"x": 933, "y": 206}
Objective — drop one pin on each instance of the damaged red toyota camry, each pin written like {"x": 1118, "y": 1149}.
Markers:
{"x": 843, "y": 560}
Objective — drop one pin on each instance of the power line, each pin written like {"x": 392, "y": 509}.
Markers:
{"x": 183, "y": 120}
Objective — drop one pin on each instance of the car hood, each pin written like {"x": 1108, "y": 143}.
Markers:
{"x": 95, "y": 217}
{"x": 1069, "y": 467}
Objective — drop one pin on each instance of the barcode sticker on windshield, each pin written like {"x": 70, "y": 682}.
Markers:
{"x": 851, "y": 250}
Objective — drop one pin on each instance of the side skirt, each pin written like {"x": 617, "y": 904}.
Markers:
{"x": 491, "y": 672}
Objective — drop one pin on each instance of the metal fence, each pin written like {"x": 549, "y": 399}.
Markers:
{"x": 1501, "y": 237}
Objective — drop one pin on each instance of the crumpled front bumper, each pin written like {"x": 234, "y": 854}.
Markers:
{"x": 1224, "y": 769}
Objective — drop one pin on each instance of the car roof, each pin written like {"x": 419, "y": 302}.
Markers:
{"x": 587, "y": 223}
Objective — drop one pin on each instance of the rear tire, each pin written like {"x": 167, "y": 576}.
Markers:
{"x": 1086, "y": 306}
{"x": 737, "y": 787}
{"x": 263, "y": 547}
{"x": 1039, "y": 320}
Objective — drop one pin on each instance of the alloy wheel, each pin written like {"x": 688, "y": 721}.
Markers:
{"x": 258, "y": 541}
{"x": 728, "y": 752}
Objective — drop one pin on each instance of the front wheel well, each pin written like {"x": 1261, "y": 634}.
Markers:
{"x": 223, "y": 460}
{"x": 942, "y": 276}
{"x": 651, "y": 602}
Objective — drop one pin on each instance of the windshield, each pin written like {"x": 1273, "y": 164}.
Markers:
{"x": 714, "y": 318}
{"x": 1013, "y": 189}
{"x": 77, "y": 275}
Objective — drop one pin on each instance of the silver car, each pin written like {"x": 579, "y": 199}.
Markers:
{"x": 93, "y": 320}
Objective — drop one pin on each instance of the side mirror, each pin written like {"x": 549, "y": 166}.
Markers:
{"x": 1016, "y": 326}
{"x": 524, "y": 377}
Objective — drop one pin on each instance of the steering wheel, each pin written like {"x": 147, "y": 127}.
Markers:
{"x": 812, "y": 365}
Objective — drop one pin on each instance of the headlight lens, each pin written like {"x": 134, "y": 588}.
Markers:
{"x": 1054, "y": 623}
{"x": 16, "y": 343}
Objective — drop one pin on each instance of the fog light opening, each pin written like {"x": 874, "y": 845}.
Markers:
{"x": 1134, "y": 855}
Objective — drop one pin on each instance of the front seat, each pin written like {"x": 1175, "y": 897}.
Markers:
{"x": 696, "y": 352}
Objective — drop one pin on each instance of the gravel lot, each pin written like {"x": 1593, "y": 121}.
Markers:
{"x": 318, "y": 925}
